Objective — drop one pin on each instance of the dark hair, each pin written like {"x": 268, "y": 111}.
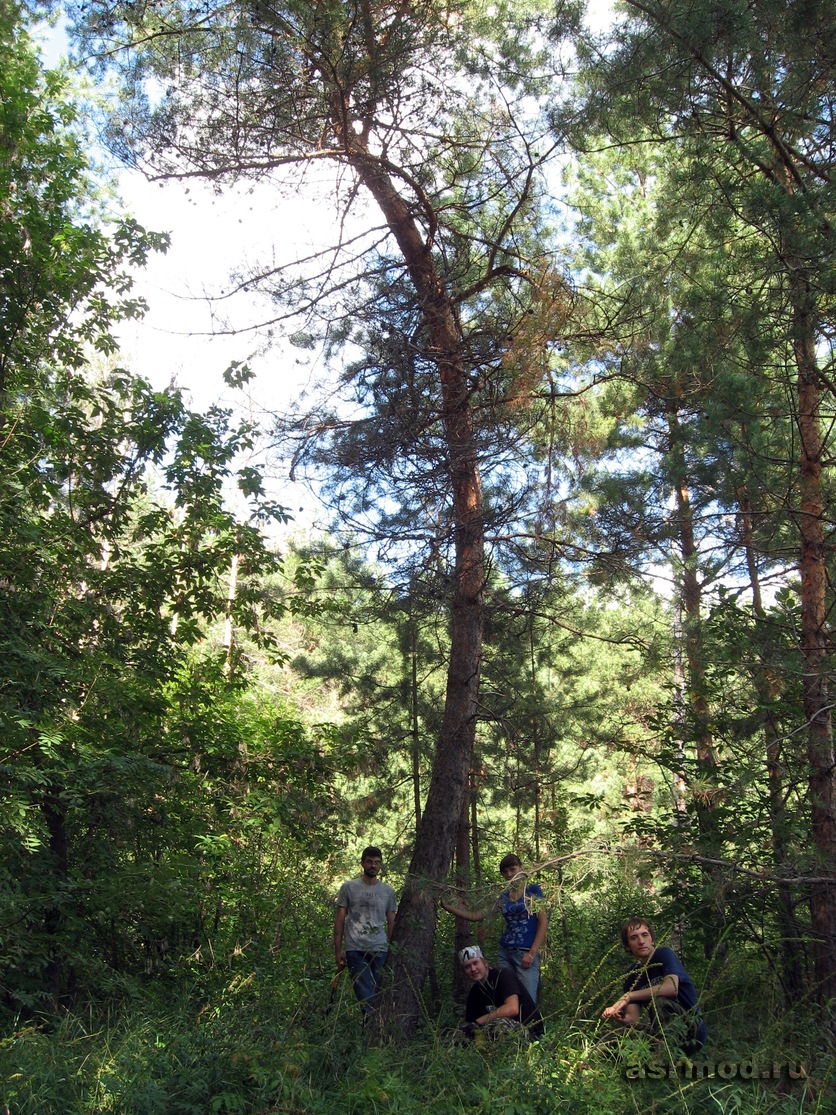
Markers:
{"x": 636, "y": 923}
{"x": 509, "y": 861}
{"x": 371, "y": 852}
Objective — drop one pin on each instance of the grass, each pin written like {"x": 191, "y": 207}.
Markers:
{"x": 251, "y": 1048}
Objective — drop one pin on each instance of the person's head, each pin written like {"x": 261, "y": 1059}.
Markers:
{"x": 510, "y": 866}
{"x": 638, "y": 938}
{"x": 371, "y": 861}
{"x": 473, "y": 963}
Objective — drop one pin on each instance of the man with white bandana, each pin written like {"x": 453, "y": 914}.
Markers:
{"x": 497, "y": 1001}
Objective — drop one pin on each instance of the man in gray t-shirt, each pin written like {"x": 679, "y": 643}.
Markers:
{"x": 363, "y": 925}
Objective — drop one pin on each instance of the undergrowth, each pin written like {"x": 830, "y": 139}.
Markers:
{"x": 248, "y": 1047}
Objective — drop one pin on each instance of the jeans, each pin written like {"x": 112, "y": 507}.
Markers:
{"x": 365, "y": 969}
{"x": 528, "y": 977}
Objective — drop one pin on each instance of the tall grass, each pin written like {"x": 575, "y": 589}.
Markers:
{"x": 258, "y": 1045}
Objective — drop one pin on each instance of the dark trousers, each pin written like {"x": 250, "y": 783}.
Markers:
{"x": 365, "y": 969}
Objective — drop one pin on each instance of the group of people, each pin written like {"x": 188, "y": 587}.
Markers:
{"x": 657, "y": 992}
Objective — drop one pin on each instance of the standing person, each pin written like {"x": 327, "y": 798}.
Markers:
{"x": 525, "y": 928}
{"x": 497, "y": 1000}
{"x": 657, "y": 989}
{"x": 363, "y": 925}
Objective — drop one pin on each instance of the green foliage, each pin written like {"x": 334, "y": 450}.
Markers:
{"x": 146, "y": 792}
{"x": 685, "y": 218}
{"x": 56, "y": 258}
{"x": 178, "y": 801}
{"x": 106, "y": 707}
{"x": 261, "y": 1038}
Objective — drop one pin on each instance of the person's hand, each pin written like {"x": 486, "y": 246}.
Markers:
{"x": 341, "y": 961}
{"x": 527, "y": 960}
{"x": 617, "y": 1009}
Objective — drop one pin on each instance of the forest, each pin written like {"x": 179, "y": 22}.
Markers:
{"x": 571, "y": 313}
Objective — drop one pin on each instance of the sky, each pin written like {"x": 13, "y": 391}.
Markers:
{"x": 178, "y": 341}
{"x": 212, "y": 236}
{"x": 182, "y": 338}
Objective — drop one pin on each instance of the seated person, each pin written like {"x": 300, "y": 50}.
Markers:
{"x": 497, "y": 1000}
{"x": 657, "y": 989}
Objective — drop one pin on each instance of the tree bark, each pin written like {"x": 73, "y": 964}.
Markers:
{"x": 535, "y": 735}
{"x": 411, "y": 954}
{"x": 705, "y": 801}
{"x": 414, "y": 727}
{"x": 814, "y": 637}
{"x": 58, "y": 977}
{"x": 463, "y": 935}
{"x": 767, "y": 682}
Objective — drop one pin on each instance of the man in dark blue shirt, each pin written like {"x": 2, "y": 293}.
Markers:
{"x": 657, "y": 985}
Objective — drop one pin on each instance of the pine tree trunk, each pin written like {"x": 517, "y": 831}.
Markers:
{"x": 58, "y": 977}
{"x": 766, "y": 681}
{"x": 705, "y": 802}
{"x": 411, "y": 954}
{"x": 463, "y": 935}
{"x": 416, "y": 735}
{"x": 814, "y": 641}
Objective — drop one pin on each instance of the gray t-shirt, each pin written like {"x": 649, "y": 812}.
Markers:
{"x": 366, "y": 909}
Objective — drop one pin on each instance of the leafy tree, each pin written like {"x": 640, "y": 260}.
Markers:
{"x": 377, "y": 90}
{"x": 133, "y": 765}
{"x": 378, "y": 654}
{"x": 696, "y": 411}
{"x": 748, "y": 107}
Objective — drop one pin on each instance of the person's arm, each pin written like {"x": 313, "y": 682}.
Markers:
{"x": 390, "y": 922}
{"x": 621, "y": 1008}
{"x": 339, "y": 925}
{"x": 539, "y": 937}
{"x": 463, "y": 912}
{"x": 625, "y": 1013}
{"x": 509, "y": 1009}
